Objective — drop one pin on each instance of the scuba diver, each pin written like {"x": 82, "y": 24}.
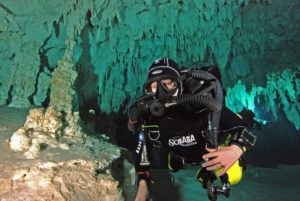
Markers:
{"x": 182, "y": 112}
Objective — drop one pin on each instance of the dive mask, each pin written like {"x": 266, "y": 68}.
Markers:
{"x": 161, "y": 88}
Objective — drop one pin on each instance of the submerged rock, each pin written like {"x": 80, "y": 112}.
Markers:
{"x": 70, "y": 180}
{"x": 56, "y": 160}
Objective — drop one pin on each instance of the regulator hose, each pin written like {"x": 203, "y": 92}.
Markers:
{"x": 213, "y": 124}
{"x": 211, "y": 104}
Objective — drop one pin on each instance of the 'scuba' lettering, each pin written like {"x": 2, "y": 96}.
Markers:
{"x": 184, "y": 141}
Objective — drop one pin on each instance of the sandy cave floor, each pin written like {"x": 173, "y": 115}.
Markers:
{"x": 259, "y": 184}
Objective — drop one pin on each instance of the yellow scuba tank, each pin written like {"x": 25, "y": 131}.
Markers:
{"x": 235, "y": 173}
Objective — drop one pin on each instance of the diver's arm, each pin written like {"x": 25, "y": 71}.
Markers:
{"x": 143, "y": 176}
{"x": 142, "y": 172}
{"x": 242, "y": 140}
{"x": 241, "y": 134}
{"x": 143, "y": 191}
{"x": 143, "y": 182}
{"x": 223, "y": 157}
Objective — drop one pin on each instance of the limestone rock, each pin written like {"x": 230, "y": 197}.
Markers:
{"x": 279, "y": 88}
{"x": 51, "y": 129}
{"x": 40, "y": 129}
{"x": 58, "y": 161}
{"x": 63, "y": 97}
{"x": 20, "y": 140}
{"x": 74, "y": 180}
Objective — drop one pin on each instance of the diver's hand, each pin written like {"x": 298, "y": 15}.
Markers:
{"x": 223, "y": 157}
{"x": 143, "y": 192}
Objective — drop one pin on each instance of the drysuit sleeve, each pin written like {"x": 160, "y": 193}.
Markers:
{"x": 241, "y": 135}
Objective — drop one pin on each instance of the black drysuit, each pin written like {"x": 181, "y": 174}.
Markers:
{"x": 180, "y": 132}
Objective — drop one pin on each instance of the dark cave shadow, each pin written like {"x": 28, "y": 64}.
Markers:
{"x": 87, "y": 82}
{"x": 162, "y": 187}
{"x": 277, "y": 143}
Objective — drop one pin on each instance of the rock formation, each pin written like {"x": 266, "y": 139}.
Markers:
{"x": 72, "y": 180}
{"x": 65, "y": 163}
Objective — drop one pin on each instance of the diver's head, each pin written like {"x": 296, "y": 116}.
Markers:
{"x": 163, "y": 79}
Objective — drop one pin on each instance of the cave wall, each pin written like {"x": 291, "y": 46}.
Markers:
{"x": 255, "y": 43}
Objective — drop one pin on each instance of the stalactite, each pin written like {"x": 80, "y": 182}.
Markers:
{"x": 247, "y": 40}
{"x": 280, "y": 93}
